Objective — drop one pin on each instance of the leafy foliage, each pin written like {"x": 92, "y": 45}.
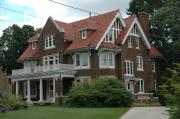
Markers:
{"x": 12, "y": 44}
{"x": 149, "y": 6}
{"x": 169, "y": 92}
{"x": 13, "y": 102}
{"x": 103, "y": 92}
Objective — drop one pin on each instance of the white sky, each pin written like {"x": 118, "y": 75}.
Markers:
{"x": 45, "y": 8}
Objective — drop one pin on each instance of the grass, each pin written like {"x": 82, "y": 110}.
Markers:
{"x": 50, "y": 112}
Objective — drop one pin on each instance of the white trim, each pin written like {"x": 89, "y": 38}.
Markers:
{"x": 142, "y": 32}
{"x": 34, "y": 45}
{"x": 108, "y": 65}
{"x": 80, "y": 61}
{"x": 141, "y": 91}
{"x": 127, "y": 69}
{"x": 138, "y": 62}
{"x": 129, "y": 43}
{"x": 118, "y": 15}
{"x": 83, "y": 33}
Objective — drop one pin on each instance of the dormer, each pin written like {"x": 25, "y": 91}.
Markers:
{"x": 86, "y": 32}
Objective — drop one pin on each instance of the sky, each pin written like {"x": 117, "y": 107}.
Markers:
{"x": 46, "y": 8}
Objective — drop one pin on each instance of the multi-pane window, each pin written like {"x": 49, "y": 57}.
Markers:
{"x": 83, "y": 33}
{"x": 129, "y": 42}
{"x": 137, "y": 40}
{"x": 139, "y": 61}
{"x": 134, "y": 29}
{"x": 106, "y": 60}
{"x": 114, "y": 31}
{"x": 33, "y": 45}
{"x": 82, "y": 60}
{"x": 128, "y": 67}
{"x": 50, "y": 60}
{"x": 141, "y": 85}
{"x": 50, "y": 42}
{"x": 153, "y": 65}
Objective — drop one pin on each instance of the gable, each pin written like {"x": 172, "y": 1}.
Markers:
{"x": 139, "y": 30}
{"x": 108, "y": 30}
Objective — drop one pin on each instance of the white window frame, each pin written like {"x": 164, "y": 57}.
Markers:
{"x": 134, "y": 30}
{"x": 55, "y": 62}
{"x": 153, "y": 65}
{"x": 140, "y": 64}
{"x": 137, "y": 42}
{"x": 113, "y": 32}
{"x": 129, "y": 41}
{"x": 81, "y": 60}
{"x": 49, "y": 42}
{"x": 141, "y": 86}
{"x": 84, "y": 33}
{"x": 108, "y": 65}
{"x": 128, "y": 71}
{"x": 34, "y": 45}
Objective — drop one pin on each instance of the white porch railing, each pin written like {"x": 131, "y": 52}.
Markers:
{"x": 47, "y": 68}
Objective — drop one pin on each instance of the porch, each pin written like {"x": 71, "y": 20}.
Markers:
{"x": 43, "y": 84}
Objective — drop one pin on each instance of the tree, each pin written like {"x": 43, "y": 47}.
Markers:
{"x": 169, "y": 91}
{"x": 165, "y": 24}
{"x": 13, "y": 42}
{"x": 149, "y": 6}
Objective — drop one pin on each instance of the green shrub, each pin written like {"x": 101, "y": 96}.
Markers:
{"x": 13, "y": 102}
{"x": 103, "y": 92}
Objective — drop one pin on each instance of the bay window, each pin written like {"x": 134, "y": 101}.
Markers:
{"x": 106, "y": 60}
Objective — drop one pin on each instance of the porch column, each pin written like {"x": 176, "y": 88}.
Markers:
{"x": 17, "y": 88}
{"x": 28, "y": 91}
{"x": 40, "y": 90}
{"x": 54, "y": 90}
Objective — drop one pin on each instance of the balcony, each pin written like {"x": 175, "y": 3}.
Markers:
{"x": 43, "y": 69}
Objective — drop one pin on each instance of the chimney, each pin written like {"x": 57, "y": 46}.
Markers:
{"x": 143, "y": 18}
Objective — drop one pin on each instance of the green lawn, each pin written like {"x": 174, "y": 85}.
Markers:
{"x": 50, "y": 112}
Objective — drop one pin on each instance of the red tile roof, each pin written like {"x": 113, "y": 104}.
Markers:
{"x": 34, "y": 38}
{"x": 128, "y": 21}
{"x": 155, "y": 52}
{"x": 100, "y": 23}
{"x": 104, "y": 44}
{"x": 29, "y": 53}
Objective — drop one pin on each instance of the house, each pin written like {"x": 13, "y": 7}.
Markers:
{"x": 105, "y": 45}
{"x": 5, "y": 84}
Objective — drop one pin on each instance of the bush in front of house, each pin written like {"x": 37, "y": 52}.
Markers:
{"x": 103, "y": 92}
{"x": 12, "y": 103}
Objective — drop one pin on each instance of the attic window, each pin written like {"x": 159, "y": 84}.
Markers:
{"x": 114, "y": 31}
{"x": 134, "y": 29}
{"x": 33, "y": 45}
{"x": 83, "y": 33}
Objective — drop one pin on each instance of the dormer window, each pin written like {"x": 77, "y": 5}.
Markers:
{"x": 50, "y": 42}
{"x": 83, "y": 33}
{"x": 33, "y": 45}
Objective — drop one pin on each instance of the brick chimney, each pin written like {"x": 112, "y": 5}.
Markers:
{"x": 143, "y": 18}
